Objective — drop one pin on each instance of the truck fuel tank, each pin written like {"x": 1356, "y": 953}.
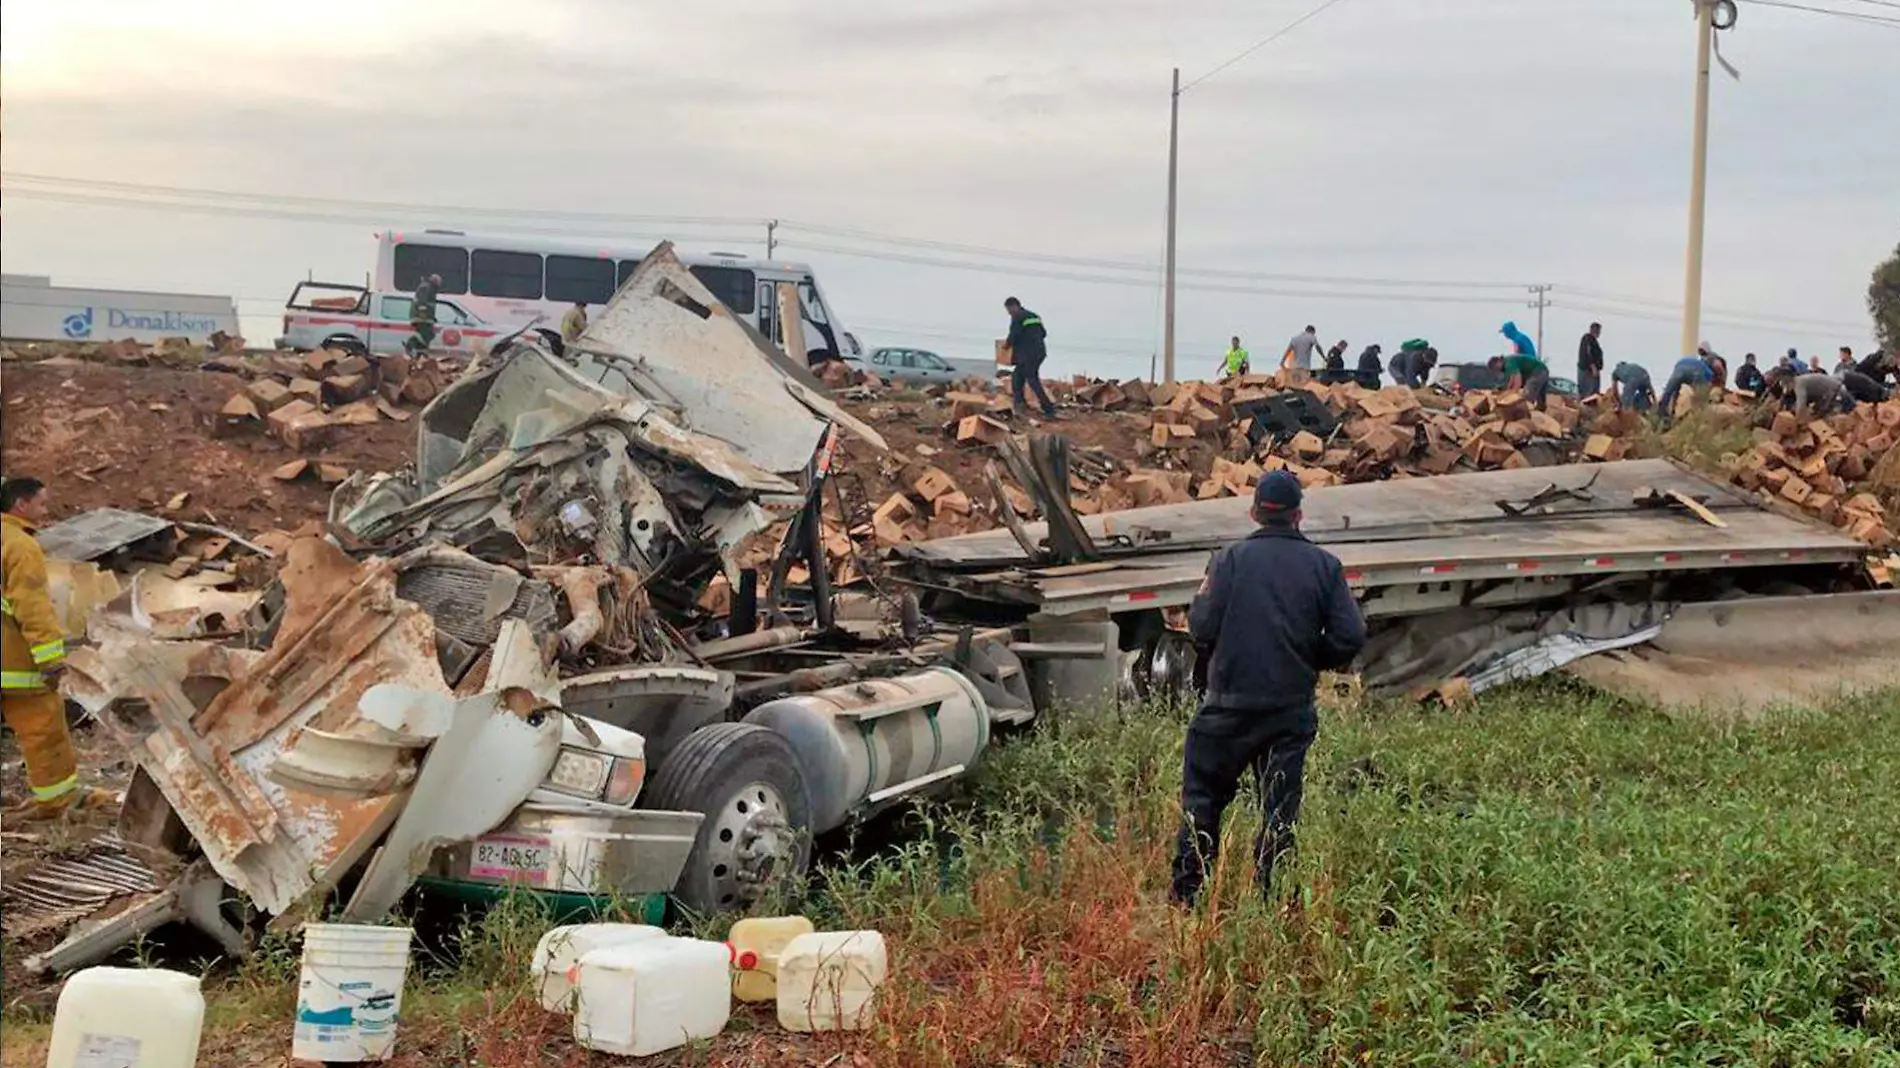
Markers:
{"x": 872, "y": 741}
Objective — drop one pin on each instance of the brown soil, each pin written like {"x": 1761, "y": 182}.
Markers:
{"x": 134, "y": 438}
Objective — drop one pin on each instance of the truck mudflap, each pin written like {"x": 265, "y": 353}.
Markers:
{"x": 558, "y": 849}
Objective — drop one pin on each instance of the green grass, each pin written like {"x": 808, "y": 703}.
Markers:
{"x": 1545, "y": 877}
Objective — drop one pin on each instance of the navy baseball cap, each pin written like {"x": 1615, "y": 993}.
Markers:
{"x": 1278, "y": 491}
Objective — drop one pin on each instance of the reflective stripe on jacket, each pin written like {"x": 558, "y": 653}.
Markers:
{"x": 30, "y": 633}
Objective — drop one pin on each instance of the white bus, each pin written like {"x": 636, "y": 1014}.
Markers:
{"x": 510, "y": 280}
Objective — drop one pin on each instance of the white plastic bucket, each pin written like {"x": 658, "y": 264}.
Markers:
{"x": 350, "y": 993}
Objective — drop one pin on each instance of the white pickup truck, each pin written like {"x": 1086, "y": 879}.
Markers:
{"x": 357, "y": 319}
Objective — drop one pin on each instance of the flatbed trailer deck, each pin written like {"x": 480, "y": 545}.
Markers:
{"x": 1408, "y": 546}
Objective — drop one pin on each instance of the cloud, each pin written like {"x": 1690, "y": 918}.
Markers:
{"x": 1482, "y": 140}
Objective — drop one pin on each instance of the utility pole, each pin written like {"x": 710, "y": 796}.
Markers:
{"x": 1698, "y": 179}
{"x": 1167, "y": 282}
{"x": 771, "y": 237}
{"x": 1542, "y": 301}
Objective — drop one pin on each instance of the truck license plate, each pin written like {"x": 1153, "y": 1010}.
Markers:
{"x": 514, "y": 858}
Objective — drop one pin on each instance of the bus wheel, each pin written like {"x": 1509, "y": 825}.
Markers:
{"x": 756, "y": 837}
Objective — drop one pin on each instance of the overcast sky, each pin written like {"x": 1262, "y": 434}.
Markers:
{"x": 1485, "y": 141}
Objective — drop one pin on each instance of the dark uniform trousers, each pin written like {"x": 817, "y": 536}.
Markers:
{"x": 418, "y": 344}
{"x": 1222, "y": 744}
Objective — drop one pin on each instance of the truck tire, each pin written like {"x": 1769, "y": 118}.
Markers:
{"x": 756, "y": 836}
{"x": 349, "y": 343}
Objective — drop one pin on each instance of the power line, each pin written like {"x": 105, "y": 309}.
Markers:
{"x": 1141, "y": 267}
{"x": 1660, "y": 316}
{"x": 291, "y": 215}
{"x": 334, "y": 209}
{"x": 397, "y": 207}
{"x": 1261, "y": 43}
{"x": 1093, "y": 340}
{"x": 1100, "y": 279}
{"x": 1857, "y": 16}
{"x": 1773, "y": 318}
{"x": 1144, "y": 275}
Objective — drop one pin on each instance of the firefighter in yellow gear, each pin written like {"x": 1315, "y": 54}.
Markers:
{"x": 32, "y": 653}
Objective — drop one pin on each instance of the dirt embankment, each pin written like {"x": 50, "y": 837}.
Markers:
{"x": 136, "y": 438}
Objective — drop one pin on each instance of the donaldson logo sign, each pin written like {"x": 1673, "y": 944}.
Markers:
{"x": 80, "y": 324}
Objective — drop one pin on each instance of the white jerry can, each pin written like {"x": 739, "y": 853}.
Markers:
{"x": 113, "y": 1017}
{"x": 827, "y": 981}
{"x": 653, "y": 995}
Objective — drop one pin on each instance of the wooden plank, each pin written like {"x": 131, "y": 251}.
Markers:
{"x": 1695, "y": 506}
{"x": 791, "y": 321}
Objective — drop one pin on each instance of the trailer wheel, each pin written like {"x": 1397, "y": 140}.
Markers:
{"x": 757, "y": 832}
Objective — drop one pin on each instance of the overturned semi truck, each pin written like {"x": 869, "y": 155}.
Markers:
{"x": 496, "y": 671}
{"x": 500, "y": 672}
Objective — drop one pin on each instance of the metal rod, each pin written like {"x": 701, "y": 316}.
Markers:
{"x": 1167, "y": 285}
{"x": 1698, "y": 180}
{"x": 756, "y": 642}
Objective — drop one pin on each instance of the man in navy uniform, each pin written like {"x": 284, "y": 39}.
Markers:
{"x": 1273, "y": 612}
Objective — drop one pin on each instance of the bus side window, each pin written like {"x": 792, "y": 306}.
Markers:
{"x": 586, "y": 279}
{"x": 732, "y": 285}
{"x": 509, "y": 275}
{"x": 626, "y": 269}
{"x": 414, "y": 262}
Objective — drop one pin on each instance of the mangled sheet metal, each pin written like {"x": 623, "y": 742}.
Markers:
{"x": 1486, "y": 647}
{"x": 525, "y": 460}
{"x": 102, "y": 532}
{"x": 267, "y": 758}
{"x": 498, "y": 746}
{"x": 666, "y": 337}
{"x": 1741, "y": 657}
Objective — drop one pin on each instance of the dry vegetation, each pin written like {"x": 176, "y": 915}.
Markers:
{"x": 1547, "y": 877}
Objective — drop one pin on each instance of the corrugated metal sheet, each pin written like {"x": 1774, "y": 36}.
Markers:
{"x": 90, "y": 535}
{"x": 468, "y": 599}
{"x": 66, "y": 889}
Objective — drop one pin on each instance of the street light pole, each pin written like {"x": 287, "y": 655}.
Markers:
{"x": 1167, "y": 282}
{"x": 1698, "y": 179}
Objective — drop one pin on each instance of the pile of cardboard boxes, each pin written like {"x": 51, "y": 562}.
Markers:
{"x": 1835, "y": 469}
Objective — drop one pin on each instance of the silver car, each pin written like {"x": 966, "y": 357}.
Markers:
{"x": 911, "y": 367}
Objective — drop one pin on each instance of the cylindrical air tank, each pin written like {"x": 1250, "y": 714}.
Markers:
{"x": 871, "y": 741}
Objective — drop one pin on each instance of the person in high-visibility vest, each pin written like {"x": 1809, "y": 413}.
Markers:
{"x": 1236, "y": 361}
{"x": 32, "y": 654}
{"x": 574, "y": 323}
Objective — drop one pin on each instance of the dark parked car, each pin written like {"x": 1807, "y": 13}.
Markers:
{"x": 1459, "y": 377}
